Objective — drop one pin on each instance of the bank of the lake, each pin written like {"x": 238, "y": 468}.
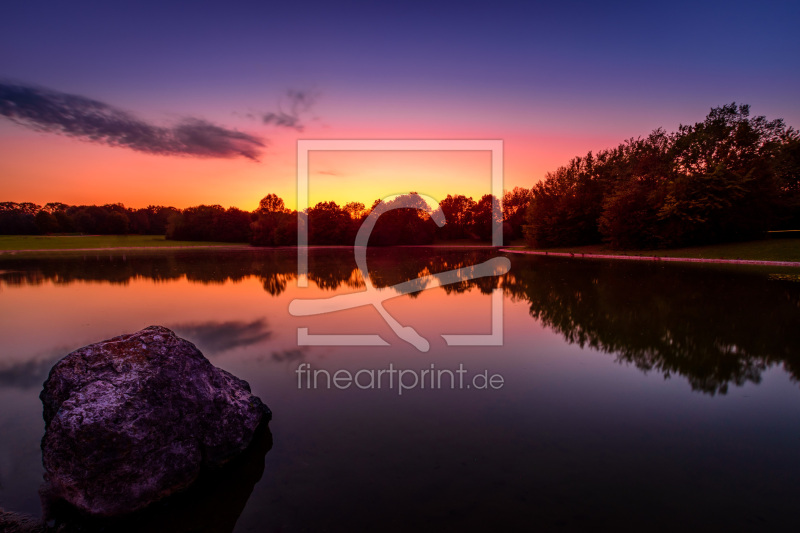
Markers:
{"x": 785, "y": 252}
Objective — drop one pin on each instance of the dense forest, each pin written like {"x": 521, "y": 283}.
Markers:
{"x": 731, "y": 177}
{"x": 27, "y": 218}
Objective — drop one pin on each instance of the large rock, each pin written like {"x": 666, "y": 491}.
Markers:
{"x": 134, "y": 419}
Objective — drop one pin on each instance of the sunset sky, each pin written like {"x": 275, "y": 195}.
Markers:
{"x": 552, "y": 80}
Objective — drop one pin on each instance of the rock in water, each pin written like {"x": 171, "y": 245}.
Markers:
{"x": 136, "y": 418}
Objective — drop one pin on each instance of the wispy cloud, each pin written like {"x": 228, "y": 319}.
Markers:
{"x": 90, "y": 120}
{"x": 300, "y": 102}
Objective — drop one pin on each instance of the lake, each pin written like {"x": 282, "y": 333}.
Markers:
{"x": 630, "y": 395}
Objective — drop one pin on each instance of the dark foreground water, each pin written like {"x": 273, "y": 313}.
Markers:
{"x": 634, "y": 396}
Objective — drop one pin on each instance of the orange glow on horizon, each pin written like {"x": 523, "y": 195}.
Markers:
{"x": 40, "y": 168}
{"x": 375, "y": 175}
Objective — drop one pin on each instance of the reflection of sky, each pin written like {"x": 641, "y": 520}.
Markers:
{"x": 552, "y": 80}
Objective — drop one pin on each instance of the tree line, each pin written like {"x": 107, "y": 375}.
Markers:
{"x": 731, "y": 177}
{"x": 330, "y": 224}
{"x": 272, "y": 224}
{"x": 27, "y": 218}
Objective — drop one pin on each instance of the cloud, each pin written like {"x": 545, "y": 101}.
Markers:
{"x": 90, "y": 120}
{"x": 299, "y": 102}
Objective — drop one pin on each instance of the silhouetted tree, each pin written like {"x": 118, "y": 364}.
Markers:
{"x": 274, "y": 225}
{"x": 52, "y": 207}
{"x": 485, "y": 214}
{"x": 233, "y": 225}
{"x": 210, "y": 223}
{"x": 356, "y": 210}
{"x": 18, "y": 219}
{"x": 566, "y": 207}
{"x": 329, "y": 224}
{"x": 46, "y": 222}
{"x": 271, "y": 203}
{"x": 65, "y": 222}
{"x": 158, "y": 216}
{"x": 725, "y": 186}
{"x": 458, "y": 212}
{"x": 515, "y": 204}
{"x": 404, "y": 225}
{"x": 639, "y": 170}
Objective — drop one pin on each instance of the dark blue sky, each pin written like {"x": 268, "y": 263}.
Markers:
{"x": 604, "y": 51}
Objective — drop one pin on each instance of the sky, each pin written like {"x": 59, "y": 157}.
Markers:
{"x": 188, "y": 103}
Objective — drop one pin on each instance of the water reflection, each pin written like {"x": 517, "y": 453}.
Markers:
{"x": 31, "y": 373}
{"x": 295, "y": 355}
{"x": 715, "y": 326}
{"x": 573, "y": 441}
{"x": 218, "y": 337}
{"x": 329, "y": 269}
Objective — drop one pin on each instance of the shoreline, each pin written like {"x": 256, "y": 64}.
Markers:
{"x": 655, "y": 258}
{"x": 244, "y": 247}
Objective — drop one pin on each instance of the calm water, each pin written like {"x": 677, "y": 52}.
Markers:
{"x": 635, "y": 395}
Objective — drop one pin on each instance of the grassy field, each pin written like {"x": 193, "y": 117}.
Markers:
{"x": 765, "y": 250}
{"x": 70, "y": 242}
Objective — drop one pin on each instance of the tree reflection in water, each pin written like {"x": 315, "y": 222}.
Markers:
{"x": 713, "y": 325}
